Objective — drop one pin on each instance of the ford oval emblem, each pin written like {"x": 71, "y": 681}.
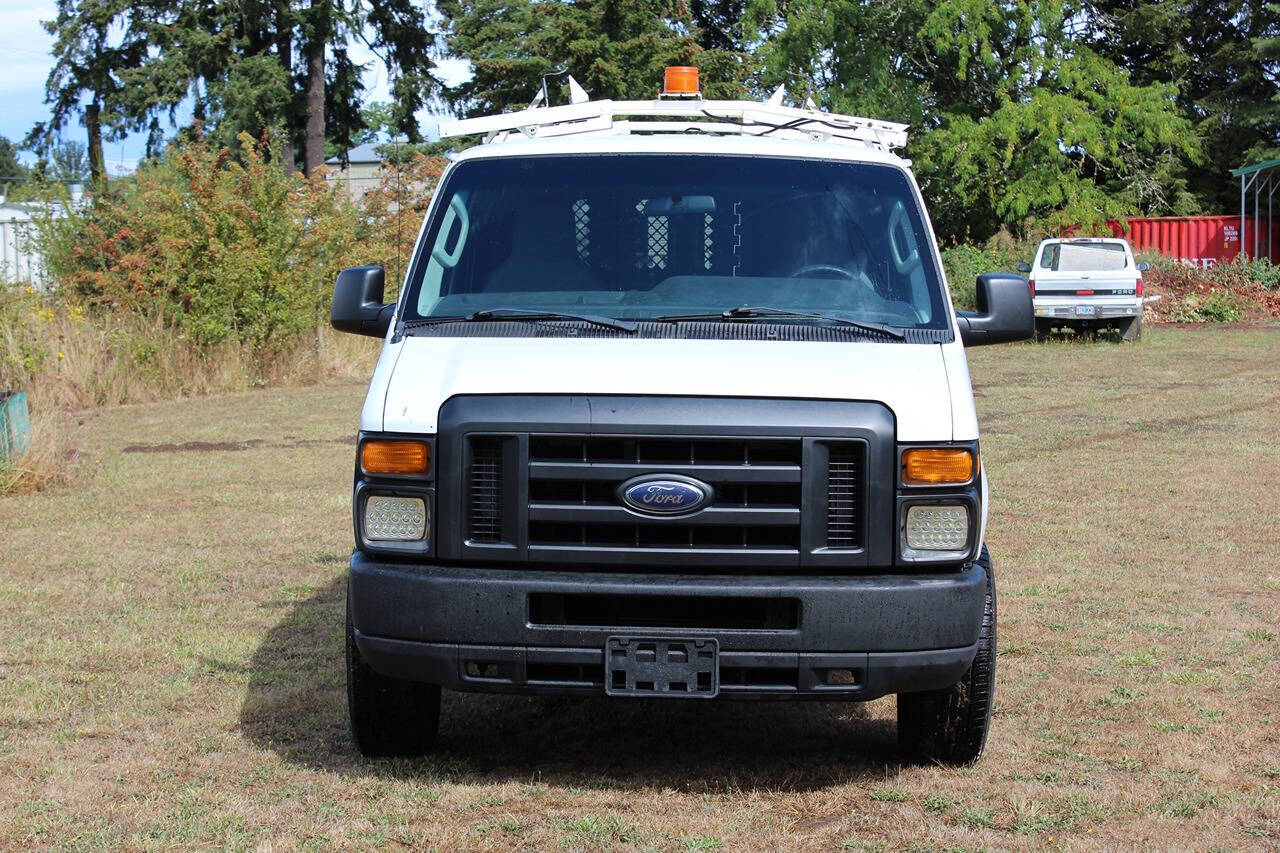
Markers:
{"x": 668, "y": 494}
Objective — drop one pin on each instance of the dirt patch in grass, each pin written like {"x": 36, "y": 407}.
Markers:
{"x": 171, "y": 627}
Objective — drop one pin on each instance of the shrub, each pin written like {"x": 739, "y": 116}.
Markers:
{"x": 1218, "y": 306}
{"x": 206, "y": 272}
{"x": 1243, "y": 272}
{"x": 394, "y": 210}
{"x": 964, "y": 262}
{"x": 225, "y": 249}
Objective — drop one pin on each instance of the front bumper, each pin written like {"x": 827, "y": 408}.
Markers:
{"x": 525, "y": 630}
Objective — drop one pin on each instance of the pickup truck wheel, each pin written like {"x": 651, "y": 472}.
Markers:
{"x": 1132, "y": 330}
{"x": 950, "y": 725}
{"x": 389, "y": 716}
{"x": 1043, "y": 329}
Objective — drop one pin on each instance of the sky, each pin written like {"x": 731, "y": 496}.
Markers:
{"x": 25, "y": 62}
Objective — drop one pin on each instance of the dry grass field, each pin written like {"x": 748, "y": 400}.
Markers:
{"x": 171, "y": 632}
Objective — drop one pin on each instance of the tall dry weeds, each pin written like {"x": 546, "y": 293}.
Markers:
{"x": 67, "y": 359}
{"x": 49, "y": 458}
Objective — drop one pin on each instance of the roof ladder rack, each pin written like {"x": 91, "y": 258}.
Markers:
{"x": 686, "y": 115}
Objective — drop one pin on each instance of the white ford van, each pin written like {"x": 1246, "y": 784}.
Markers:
{"x": 674, "y": 404}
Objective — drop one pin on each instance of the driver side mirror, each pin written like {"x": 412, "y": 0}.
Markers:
{"x": 1004, "y": 314}
{"x": 357, "y": 302}
{"x": 1024, "y": 267}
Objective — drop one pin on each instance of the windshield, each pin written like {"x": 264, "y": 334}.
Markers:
{"x": 1084, "y": 257}
{"x": 645, "y": 236}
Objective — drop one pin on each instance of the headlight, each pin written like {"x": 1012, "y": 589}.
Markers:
{"x": 391, "y": 519}
{"x": 935, "y": 531}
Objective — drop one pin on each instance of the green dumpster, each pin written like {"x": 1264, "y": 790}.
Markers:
{"x": 15, "y": 426}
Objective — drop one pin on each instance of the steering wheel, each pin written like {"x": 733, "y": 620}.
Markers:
{"x": 850, "y": 276}
{"x": 812, "y": 268}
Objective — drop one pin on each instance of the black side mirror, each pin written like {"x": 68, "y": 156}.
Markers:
{"x": 1143, "y": 266}
{"x": 1004, "y": 314}
{"x": 1024, "y": 267}
{"x": 357, "y": 302}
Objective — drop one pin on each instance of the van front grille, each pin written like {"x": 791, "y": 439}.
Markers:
{"x": 539, "y": 481}
{"x": 486, "y": 490}
{"x": 573, "y": 503}
{"x": 843, "y": 475}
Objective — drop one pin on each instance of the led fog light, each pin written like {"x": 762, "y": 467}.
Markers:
{"x": 937, "y": 528}
{"x": 395, "y": 519}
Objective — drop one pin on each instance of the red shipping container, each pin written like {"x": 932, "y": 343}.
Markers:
{"x": 1199, "y": 241}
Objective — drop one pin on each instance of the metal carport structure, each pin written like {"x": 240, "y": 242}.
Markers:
{"x": 1259, "y": 176}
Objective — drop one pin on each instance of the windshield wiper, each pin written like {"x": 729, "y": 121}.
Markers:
{"x": 499, "y": 315}
{"x": 750, "y": 312}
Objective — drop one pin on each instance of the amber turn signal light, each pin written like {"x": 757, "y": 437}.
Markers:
{"x": 938, "y": 466}
{"x": 395, "y": 456}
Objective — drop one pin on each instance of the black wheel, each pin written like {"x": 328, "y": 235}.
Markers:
{"x": 1132, "y": 330}
{"x": 1043, "y": 329}
{"x": 950, "y": 725}
{"x": 389, "y": 716}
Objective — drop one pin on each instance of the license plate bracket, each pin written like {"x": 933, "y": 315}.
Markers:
{"x": 1085, "y": 310}
{"x": 662, "y": 667}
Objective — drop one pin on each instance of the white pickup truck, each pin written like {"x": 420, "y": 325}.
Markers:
{"x": 1086, "y": 284}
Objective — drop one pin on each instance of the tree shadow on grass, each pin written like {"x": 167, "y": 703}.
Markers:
{"x": 296, "y": 707}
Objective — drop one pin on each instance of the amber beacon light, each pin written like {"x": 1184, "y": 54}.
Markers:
{"x": 680, "y": 81}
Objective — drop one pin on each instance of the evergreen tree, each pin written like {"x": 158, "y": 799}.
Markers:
{"x": 614, "y": 48}
{"x": 242, "y": 65}
{"x": 95, "y": 43}
{"x": 11, "y": 169}
{"x": 1222, "y": 56}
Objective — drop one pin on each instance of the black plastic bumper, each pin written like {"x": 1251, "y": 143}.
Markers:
{"x": 524, "y": 630}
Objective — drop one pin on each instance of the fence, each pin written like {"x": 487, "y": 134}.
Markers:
{"x": 19, "y": 261}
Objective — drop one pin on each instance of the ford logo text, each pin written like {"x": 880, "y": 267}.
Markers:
{"x": 664, "y": 495}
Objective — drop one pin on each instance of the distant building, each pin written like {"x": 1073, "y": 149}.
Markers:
{"x": 20, "y": 262}
{"x": 361, "y": 172}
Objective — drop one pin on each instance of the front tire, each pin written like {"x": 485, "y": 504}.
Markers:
{"x": 950, "y": 725}
{"x": 389, "y": 716}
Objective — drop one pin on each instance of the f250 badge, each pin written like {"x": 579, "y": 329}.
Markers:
{"x": 664, "y": 495}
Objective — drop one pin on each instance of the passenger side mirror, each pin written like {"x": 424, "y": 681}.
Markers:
{"x": 1143, "y": 266}
{"x": 1024, "y": 267}
{"x": 357, "y": 302}
{"x": 1004, "y": 314}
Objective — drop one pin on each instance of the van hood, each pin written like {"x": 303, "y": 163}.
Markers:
{"x": 415, "y": 376}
